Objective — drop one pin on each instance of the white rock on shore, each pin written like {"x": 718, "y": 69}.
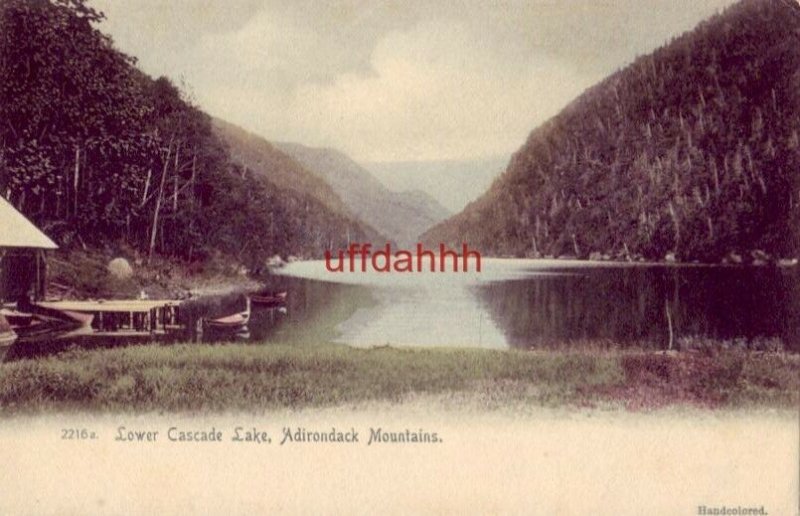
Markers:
{"x": 120, "y": 268}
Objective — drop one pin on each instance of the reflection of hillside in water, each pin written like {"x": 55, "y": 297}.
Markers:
{"x": 629, "y": 306}
{"x": 314, "y": 310}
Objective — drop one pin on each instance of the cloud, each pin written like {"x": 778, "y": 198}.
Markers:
{"x": 393, "y": 80}
{"x": 428, "y": 90}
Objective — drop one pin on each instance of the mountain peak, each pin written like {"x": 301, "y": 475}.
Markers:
{"x": 401, "y": 216}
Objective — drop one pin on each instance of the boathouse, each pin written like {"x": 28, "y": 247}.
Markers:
{"x": 22, "y": 256}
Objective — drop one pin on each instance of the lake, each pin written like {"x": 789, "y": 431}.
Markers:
{"x": 539, "y": 303}
{"x": 524, "y": 304}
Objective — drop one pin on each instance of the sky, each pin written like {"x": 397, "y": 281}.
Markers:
{"x": 393, "y": 80}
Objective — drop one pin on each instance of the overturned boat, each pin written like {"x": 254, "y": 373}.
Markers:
{"x": 7, "y": 334}
{"x": 269, "y": 300}
{"x": 229, "y": 325}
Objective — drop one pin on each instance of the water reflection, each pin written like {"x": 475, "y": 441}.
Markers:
{"x": 428, "y": 316}
{"x": 512, "y": 303}
{"x": 314, "y": 310}
{"x": 521, "y": 303}
{"x": 638, "y": 306}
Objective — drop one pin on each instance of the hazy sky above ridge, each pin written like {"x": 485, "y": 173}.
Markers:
{"x": 393, "y": 80}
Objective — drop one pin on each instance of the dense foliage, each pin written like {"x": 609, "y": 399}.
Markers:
{"x": 288, "y": 175}
{"x": 692, "y": 150}
{"x": 97, "y": 153}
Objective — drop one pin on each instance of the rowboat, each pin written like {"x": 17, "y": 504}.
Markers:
{"x": 46, "y": 323}
{"x": 276, "y": 299}
{"x": 7, "y": 334}
{"x": 7, "y": 338}
{"x": 44, "y": 327}
{"x": 83, "y": 318}
{"x": 16, "y": 318}
{"x": 234, "y": 323}
{"x": 230, "y": 322}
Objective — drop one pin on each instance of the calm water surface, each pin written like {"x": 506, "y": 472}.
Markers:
{"x": 530, "y": 303}
{"x": 510, "y": 304}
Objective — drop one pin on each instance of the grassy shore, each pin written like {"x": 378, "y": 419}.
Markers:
{"x": 199, "y": 378}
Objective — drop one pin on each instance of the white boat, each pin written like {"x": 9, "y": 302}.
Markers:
{"x": 7, "y": 336}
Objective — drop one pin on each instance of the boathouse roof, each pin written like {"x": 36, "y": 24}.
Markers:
{"x": 19, "y": 232}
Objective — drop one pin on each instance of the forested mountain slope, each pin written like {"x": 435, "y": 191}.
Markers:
{"x": 692, "y": 150}
{"x": 266, "y": 161}
{"x": 260, "y": 156}
{"x": 97, "y": 153}
{"x": 453, "y": 183}
{"x": 401, "y": 216}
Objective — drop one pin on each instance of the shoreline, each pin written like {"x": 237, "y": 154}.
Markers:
{"x": 268, "y": 377}
{"x": 89, "y": 275}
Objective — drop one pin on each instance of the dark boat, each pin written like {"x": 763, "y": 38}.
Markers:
{"x": 270, "y": 300}
{"x": 235, "y": 323}
{"x": 230, "y": 322}
{"x": 43, "y": 327}
{"x": 16, "y": 318}
{"x": 7, "y": 334}
{"x": 43, "y": 323}
{"x": 82, "y": 318}
{"x": 7, "y": 337}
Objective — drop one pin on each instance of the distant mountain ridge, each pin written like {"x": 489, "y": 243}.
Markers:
{"x": 454, "y": 183}
{"x": 692, "y": 151}
{"x": 401, "y": 216}
{"x": 426, "y": 202}
{"x": 263, "y": 159}
{"x": 260, "y": 156}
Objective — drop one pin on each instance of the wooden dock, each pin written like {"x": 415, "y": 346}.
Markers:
{"x": 125, "y": 317}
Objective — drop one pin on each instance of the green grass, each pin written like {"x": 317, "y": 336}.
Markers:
{"x": 255, "y": 378}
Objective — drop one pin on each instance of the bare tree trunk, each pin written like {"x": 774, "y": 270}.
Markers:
{"x": 58, "y": 206}
{"x": 175, "y": 179}
{"x": 154, "y": 231}
{"x": 676, "y": 224}
{"x": 669, "y": 325}
{"x": 194, "y": 172}
{"x": 175, "y": 193}
{"x": 147, "y": 186}
{"x": 193, "y": 179}
{"x": 76, "y": 180}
